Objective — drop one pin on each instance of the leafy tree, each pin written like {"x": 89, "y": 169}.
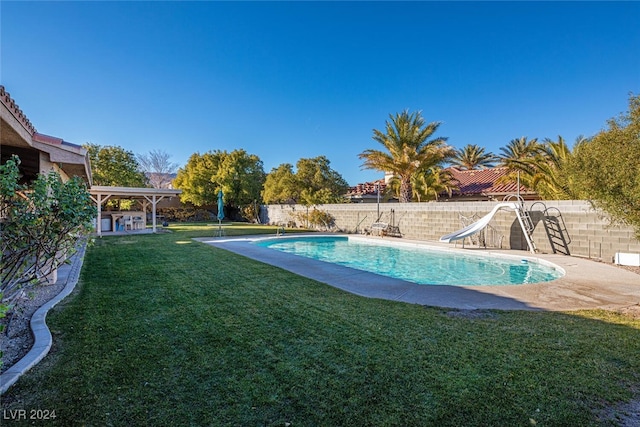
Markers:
{"x": 40, "y": 225}
{"x": 157, "y": 167}
{"x": 318, "y": 183}
{"x": 471, "y": 156}
{"x": 197, "y": 179}
{"x": 608, "y": 165}
{"x": 407, "y": 149}
{"x": 313, "y": 183}
{"x": 112, "y": 165}
{"x": 280, "y": 185}
{"x": 239, "y": 175}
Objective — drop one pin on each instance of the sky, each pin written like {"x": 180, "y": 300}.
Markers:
{"x": 292, "y": 80}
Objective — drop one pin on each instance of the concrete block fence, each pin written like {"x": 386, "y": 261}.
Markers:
{"x": 578, "y": 229}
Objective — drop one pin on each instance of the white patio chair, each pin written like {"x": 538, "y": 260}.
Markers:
{"x": 128, "y": 222}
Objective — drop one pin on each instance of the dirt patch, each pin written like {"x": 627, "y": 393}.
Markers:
{"x": 16, "y": 339}
{"x": 632, "y": 311}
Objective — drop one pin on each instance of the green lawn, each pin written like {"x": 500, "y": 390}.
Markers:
{"x": 166, "y": 331}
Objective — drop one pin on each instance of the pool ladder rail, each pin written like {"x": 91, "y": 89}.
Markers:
{"x": 524, "y": 218}
{"x": 527, "y": 227}
{"x": 556, "y": 229}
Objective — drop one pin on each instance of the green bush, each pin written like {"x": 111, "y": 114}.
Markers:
{"x": 186, "y": 214}
{"x": 40, "y": 225}
{"x": 317, "y": 218}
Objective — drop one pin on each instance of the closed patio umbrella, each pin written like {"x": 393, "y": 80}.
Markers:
{"x": 220, "y": 211}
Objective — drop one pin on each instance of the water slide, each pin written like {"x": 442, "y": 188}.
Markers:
{"x": 479, "y": 224}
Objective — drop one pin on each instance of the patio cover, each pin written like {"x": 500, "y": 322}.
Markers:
{"x": 100, "y": 194}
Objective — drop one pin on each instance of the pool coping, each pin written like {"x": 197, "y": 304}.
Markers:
{"x": 587, "y": 284}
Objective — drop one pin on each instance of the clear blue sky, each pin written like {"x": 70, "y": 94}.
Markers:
{"x": 291, "y": 80}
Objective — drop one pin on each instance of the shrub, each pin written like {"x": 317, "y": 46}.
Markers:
{"x": 40, "y": 225}
{"x": 186, "y": 214}
{"x": 251, "y": 213}
{"x": 317, "y": 219}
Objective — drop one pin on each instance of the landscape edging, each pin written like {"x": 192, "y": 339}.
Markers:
{"x": 42, "y": 339}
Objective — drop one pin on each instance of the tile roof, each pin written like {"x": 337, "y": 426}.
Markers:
{"x": 483, "y": 182}
{"x": 47, "y": 139}
{"x": 11, "y": 105}
{"x": 367, "y": 188}
{"x": 53, "y": 140}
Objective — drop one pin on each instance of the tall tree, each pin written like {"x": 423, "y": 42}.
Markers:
{"x": 196, "y": 179}
{"x": 472, "y": 156}
{"x": 158, "y": 168}
{"x": 238, "y": 174}
{"x": 314, "y": 182}
{"x": 551, "y": 177}
{"x": 518, "y": 149}
{"x": 544, "y": 168}
{"x": 516, "y": 156}
{"x": 407, "y": 149}
{"x": 241, "y": 177}
{"x": 280, "y": 185}
{"x": 115, "y": 166}
{"x": 318, "y": 183}
{"x": 608, "y": 167}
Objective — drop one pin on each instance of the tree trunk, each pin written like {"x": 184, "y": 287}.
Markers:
{"x": 405, "y": 191}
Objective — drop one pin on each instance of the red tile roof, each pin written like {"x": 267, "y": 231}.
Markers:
{"x": 46, "y": 139}
{"x": 367, "y": 188}
{"x": 483, "y": 182}
{"x": 11, "y": 105}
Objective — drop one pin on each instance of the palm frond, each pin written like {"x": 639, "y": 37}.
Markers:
{"x": 407, "y": 149}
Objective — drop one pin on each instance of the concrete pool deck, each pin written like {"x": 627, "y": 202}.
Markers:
{"x": 587, "y": 284}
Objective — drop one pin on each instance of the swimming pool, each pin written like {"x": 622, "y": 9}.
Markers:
{"x": 415, "y": 263}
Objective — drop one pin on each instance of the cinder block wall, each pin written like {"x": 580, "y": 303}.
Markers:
{"x": 585, "y": 232}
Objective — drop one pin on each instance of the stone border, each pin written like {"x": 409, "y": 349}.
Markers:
{"x": 42, "y": 339}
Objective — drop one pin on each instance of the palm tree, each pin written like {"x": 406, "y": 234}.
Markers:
{"x": 472, "y": 156}
{"x": 551, "y": 178}
{"x": 518, "y": 149}
{"x": 545, "y": 169}
{"x": 407, "y": 149}
{"x": 429, "y": 184}
{"x": 515, "y": 156}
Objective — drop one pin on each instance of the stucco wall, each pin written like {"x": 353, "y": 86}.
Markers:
{"x": 585, "y": 232}
{"x": 47, "y": 166}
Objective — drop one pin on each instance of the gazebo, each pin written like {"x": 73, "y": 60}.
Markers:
{"x": 148, "y": 196}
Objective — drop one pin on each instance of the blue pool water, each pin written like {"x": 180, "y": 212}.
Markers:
{"x": 416, "y": 264}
